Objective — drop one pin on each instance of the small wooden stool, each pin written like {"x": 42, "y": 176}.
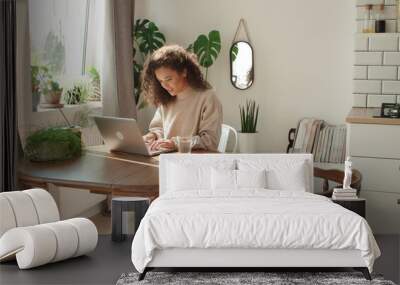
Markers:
{"x": 119, "y": 205}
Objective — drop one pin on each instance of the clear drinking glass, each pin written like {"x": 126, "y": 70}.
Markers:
{"x": 185, "y": 144}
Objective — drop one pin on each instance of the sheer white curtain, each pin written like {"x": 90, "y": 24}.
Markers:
{"x": 116, "y": 56}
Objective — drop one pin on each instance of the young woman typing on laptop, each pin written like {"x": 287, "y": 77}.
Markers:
{"x": 186, "y": 104}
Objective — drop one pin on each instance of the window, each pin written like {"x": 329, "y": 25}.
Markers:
{"x": 63, "y": 59}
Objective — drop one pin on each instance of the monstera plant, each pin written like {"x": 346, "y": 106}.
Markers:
{"x": 147, "y": 38}
{"x": 207, "y": 48}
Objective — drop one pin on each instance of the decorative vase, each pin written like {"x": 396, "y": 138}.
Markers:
{"x": 247, "y": 142}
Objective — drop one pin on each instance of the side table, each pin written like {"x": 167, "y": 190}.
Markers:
{"x": 120, "y": 207}
{"x": 355, "y": 205}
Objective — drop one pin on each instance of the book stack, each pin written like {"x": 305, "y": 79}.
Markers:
{"x": 344, "y": 194}
{"x": 307, "y": 132}
{"x": 331, "y": 144}
{"x": 326, "y": 142}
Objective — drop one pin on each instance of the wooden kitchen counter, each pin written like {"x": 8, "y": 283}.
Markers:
{"x": 366, "y": 116}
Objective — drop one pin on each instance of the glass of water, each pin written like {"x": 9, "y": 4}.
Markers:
{"x": 185, "y": 144}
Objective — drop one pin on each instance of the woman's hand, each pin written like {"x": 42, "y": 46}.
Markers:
{"x": 149, "y": 138}
{"x": 162, "y": 144}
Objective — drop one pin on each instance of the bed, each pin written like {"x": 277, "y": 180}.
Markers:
{"x": 247, "y": 210}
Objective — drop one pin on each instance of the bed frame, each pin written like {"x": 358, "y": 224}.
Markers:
{"x": 243, "y": 259}
{"x": 246, "y": 258}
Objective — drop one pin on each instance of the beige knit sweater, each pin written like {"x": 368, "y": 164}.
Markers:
{"x": 193, "y": 113}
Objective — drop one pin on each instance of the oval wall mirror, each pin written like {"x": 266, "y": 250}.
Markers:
{"x": 242, "y": 65}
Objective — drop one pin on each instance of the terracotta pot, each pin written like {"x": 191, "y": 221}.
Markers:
{"x": 52, "y": 97}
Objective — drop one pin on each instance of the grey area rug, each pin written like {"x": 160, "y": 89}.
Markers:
{"x": 233, "y": 278}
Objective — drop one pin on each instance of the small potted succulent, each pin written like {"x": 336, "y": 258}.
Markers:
{"x": 53, "y": 94}
{"x": 248, "y": 133}
{"x": 49, "y": 89}
{"x": 79, "y": 93}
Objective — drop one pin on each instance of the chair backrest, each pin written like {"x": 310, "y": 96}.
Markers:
{"x": 26, "y": 208}
{"x": 223, "y": 141}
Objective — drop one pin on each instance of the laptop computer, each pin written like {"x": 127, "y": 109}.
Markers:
{"x": 124, "y": 135}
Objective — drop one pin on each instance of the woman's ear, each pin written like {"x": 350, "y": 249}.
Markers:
{"x": 184, "y": 73}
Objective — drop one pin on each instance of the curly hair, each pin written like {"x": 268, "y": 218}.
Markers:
{"x": 176, "y": 58}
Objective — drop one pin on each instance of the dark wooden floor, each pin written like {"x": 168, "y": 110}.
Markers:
{"x": 110, "y": 260}
{"x": 102, "y": 266}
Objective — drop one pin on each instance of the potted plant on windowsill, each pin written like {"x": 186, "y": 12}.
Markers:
{"x": 248, "y": 135}
{"x": 78, "y": 94}
{"x": 51, "y": 94}
{"x": 44, "y": 85}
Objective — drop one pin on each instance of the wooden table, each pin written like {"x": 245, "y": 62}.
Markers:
{"x": 98, "y": 171}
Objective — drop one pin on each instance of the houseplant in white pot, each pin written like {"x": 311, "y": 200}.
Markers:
{"x": 248, "y": 133}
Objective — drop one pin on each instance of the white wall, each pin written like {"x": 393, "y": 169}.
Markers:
{"x": 303, "y": 56}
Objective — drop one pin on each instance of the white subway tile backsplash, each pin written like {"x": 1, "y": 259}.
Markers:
{"x": 391, "y": 26}
{"x": 362, "y": 13}
{"x": 376, "y": 70}
{"x": 366, "y": 2}
{"x": 390, "y": 87}
{"x": 367, "y": 86}
{"x": 359, "y": 100}
{"x": 382, "y": 72}
{"x": 360, "y": 72}
{"x": 377, "y": 100}
{"x": 361, "y": 42}
{"x": 359, "y": 26}
{"x": 368, "y": 58}
{"x": 391, "y": 58}
{"x": 389, "y": 13}
{"x": 383, "y": 42}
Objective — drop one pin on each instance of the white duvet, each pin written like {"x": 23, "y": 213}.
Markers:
{"x": 250, "y": 219}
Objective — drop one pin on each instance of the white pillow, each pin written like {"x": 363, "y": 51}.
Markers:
{"x": 282, "y": 174}
{"x": 223, "y": 179}
{"x": 288, "y": 179}
{"x": 251, "y": 178}
{"x": 236, "y": 179}
{"x": 189, "y": 176}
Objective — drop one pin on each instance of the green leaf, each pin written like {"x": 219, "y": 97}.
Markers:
{"x": 190, "y": 48}
{"x": 148, "y": 36}
{"x": 207, "y": 48}
{"x": 249, "y": 116}
{"x": 140, "y": 25}
{"x": 234, "y": 52}
{"x": 137, "y": 70}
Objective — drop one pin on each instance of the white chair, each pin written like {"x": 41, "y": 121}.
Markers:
{"x": 223, "y": 141}
{"x": 31, "y": 232}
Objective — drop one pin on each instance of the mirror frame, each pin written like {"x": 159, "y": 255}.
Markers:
{"x": 252, "y": 66}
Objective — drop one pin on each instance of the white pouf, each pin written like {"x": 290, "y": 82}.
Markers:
{"x": 31, "y": 232}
